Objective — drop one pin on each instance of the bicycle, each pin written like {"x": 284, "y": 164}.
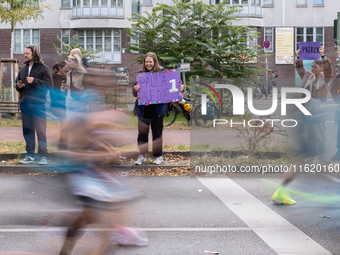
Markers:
{"x": 172, "y": 112}
{"x": 262, "y": 89}
{"x": 206, "y": 120}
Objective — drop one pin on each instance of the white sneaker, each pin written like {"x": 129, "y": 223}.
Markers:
{"x": 43, "y": 161}
{"x": 130, "y": 236}
{"x": 158, "y": 160}
{"x": 27, "y": 160}
{"x": 140, "y": 160}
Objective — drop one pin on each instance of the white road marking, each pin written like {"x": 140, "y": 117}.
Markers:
{"x": 332, "y": 178}
{"x": 277, "y": 232}
{"x": 57, "y": 229}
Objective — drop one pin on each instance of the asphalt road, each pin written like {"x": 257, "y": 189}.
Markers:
{"x": 183, "y": 215}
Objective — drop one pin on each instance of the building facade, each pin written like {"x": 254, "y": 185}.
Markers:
{"x": 101, "y": 24}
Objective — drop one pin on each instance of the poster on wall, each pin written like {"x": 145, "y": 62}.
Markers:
{"x": 123, "y": 75}
{"x": 284, "y": 45}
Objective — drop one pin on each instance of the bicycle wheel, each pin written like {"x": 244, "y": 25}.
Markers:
{"x": 208, "y": 119}
{"x": 270, "y": 91}
{"x": 170, "y": 115}
{"x": 185, "y": 113}
{"x": 257, "y": 92}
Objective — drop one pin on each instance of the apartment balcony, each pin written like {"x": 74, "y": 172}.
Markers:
{"x": 86, "y": 9}
{"x": 251, "y": 10}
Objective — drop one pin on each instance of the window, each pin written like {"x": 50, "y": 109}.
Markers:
{"x": 268, "y": 2}
{"x": 317, "y": 2}
{"x": 135, "y": 7}
{"x": 65, "y": 3}
{"x": 116, "y": 3}
{"x": 35, "y": 3}
{"x": 301, "y": 2}
{"x": 232, "y": 2}
{"x": 216, "y": 2}
{"x": 134, "y": 40}
{"x": 116, "y": 42}
{"x": 250, "y": 41}
{"x": 65, "y": 36}
{"x": 107, "y": 39}
{"x": 24, "y": 37}
{"x": 76, "y": 2}
{"x": 309, "y": 34}
{"x": 250, "y": 38}
{"x": 147, "y": 2}
{"x": 269, "y": 35}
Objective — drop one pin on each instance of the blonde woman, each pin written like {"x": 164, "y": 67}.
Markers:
{"x": 75, "y": 85}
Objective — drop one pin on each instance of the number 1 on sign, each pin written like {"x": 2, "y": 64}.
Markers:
{"x": 173, "y": 86}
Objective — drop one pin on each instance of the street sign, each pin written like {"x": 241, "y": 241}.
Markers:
{"x": 184, "y": 67}
{"x": 266, "y": 44}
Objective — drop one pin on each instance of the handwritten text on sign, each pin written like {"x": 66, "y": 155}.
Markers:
{"x": 309, "y": 50}
{"x": 159, "y": 87}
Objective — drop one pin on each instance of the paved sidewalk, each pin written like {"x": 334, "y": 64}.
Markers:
{"x": 213, "y": 138}
{"x": 121, "y": 137}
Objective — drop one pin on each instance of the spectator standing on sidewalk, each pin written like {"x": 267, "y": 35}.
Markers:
{"x": 58, "y": 95}
{"x": 77, "y": 51}
{"x": 75, "y": 100}
{"x": 33, "y": 82}
{"x": 149, "y": 115}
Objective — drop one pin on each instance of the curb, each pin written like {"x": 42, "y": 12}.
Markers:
{"x": 218, "y": 153}
{"x": 25, "y": 169}
{"x": 11, "y": 156}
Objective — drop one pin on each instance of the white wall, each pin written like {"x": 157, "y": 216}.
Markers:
{"x": 301, "y": 16}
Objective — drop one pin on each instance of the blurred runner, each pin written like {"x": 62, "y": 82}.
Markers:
{"x": 95, "y": 190}
{"x": 311, "y": 128}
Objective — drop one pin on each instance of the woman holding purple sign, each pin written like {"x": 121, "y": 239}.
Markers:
{"x": 150, "y": 114}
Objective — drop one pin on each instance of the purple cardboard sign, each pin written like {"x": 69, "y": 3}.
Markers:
{"x": 309, "y": 50}
{"x": 159, "y": 87}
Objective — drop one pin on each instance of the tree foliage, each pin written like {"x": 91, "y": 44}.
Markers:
{"x": 18, "y": 11}
{"x": 201, "y": 34}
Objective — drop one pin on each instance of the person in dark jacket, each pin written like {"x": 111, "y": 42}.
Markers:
{"x": 33, "y": 82}
{"x": 58, "y": 95}
{"x": 149, "y": 114}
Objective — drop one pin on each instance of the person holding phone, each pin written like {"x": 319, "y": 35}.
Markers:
{"x": 33, "y": 82}
{"x": 58, "y": 95}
